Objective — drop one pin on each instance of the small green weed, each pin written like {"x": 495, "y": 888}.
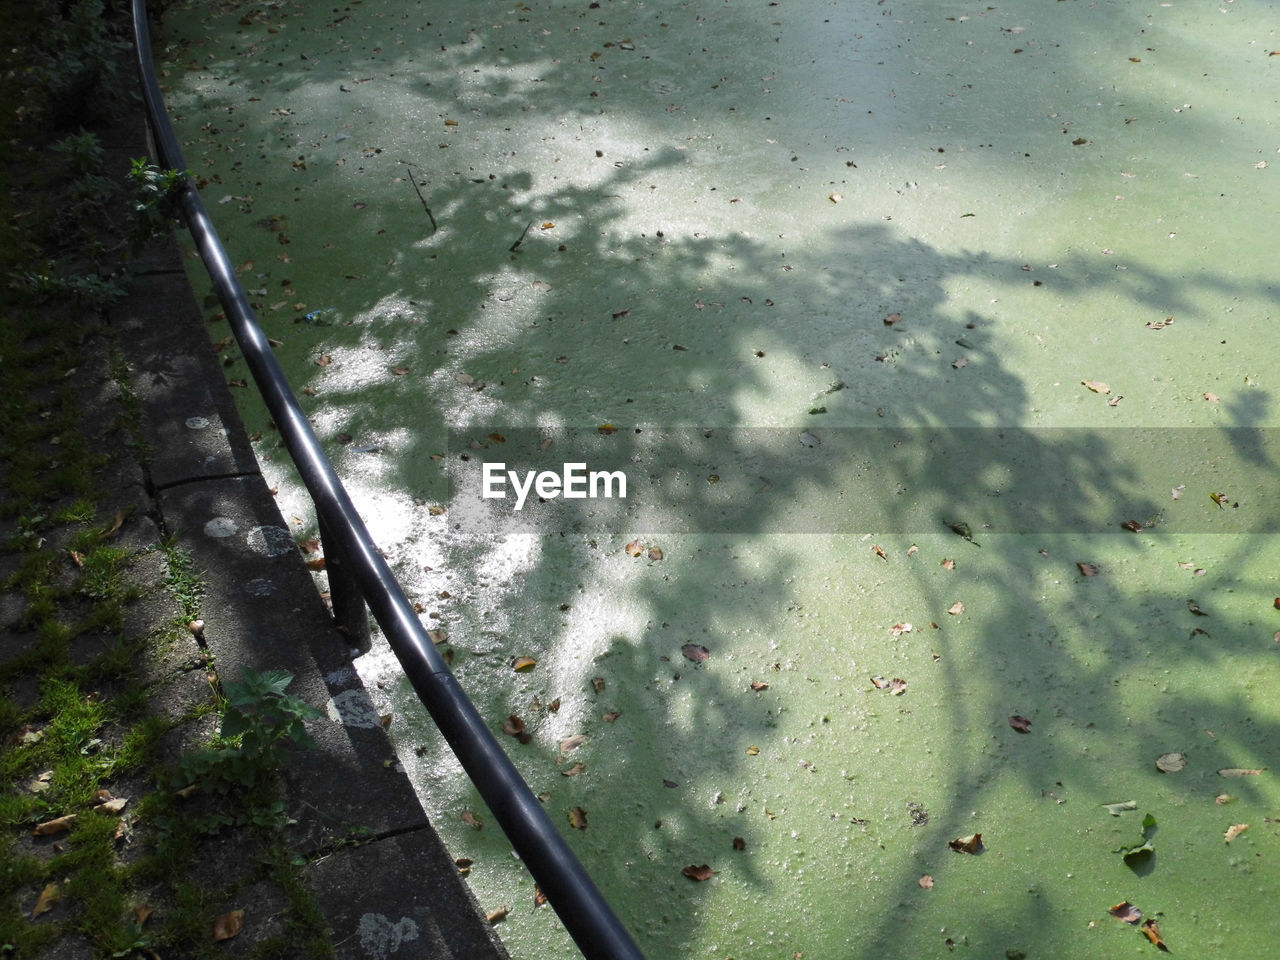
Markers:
{"x": 83, "y": 151}
{"x": 259, "y": 723}
{"x": 156, "y": 199}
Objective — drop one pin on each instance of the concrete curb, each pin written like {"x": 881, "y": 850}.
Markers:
{"x": 383, "y": 879}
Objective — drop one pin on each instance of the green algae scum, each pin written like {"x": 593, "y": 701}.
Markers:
{"x": 933, "y": 342}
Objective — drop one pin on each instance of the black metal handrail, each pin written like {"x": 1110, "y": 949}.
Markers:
{"x": 576, "y": 899}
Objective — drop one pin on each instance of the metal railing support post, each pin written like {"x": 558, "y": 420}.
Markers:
{"x": 350, "y": 614}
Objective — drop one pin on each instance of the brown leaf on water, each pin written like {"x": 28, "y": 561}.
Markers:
{"x": 956, "y": 608}
{"x": 739, "y": 843}
{"x": 323, "y": 360}
{"x": 1127, "y": 912}
{"x": 1212, "y": 397}
{"x": 598, "y": 684}
{"x": 1088, "y": 569}
{"x": 578, "y": 818}
{"x": 948, "y": 564}
{"x": 879, "y": 552}
{"x": 1133, "y": 526}
{"x": 753, "y": 751}
{"x": 539, "y": 898}
{"x": 399, "y": 371}
{"x": 316, "y": 563}
{"x": 523, "y": 664}
{"x": 1171, "y": 762}
{"x": 634, "y": 548}
{"x": 1019, "y": 723}
{"x": 926, "y": 881}
{"x": 611, "y": 716}
{"x": 1195, "y": 608}
{"x": 572, "y": 743}
{"x": 607, "y": 429}
{"x": 1097, "y": 386}
{"x": 698, "y": 873}
{"x": 758, "y": 685}
{"x": 898, "y": 629}
{"x": 969, "y": 844}
{"x": 892, "y": 318}
{"x": 1152, "y": 930}
{"x": 655, "y": 554}
{"x": 513, "y": 726}
{"x": 573, "y": 771}
{"x": 1235, "y": 830}
{"x": 1223, "y": 799}
{"x": 695, "y": 652}
{"x": 228, "y": 925}
{"x": 471, "y": 820}
{"x": 50, "y": 895}
{"x": 438, "y": 636}
{"x": 497, "y": 916}
{"x": 57, "y": 825}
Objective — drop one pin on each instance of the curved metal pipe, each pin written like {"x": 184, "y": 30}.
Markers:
{"x": 578, "y": 902}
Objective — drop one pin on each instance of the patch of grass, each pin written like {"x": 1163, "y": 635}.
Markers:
{"x": 101, "y": 577}
{"x": 182, "y": 580}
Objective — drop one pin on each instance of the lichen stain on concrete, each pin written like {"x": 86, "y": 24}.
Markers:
{"x": 353, "y": 708}
{"x": 379, "y": 937}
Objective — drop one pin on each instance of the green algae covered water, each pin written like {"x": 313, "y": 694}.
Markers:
{"x": 934, "y": 344}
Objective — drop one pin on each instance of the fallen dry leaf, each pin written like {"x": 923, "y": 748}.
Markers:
{"x": 471, "y": 820}
{"x": 1212, "y": 397}
{"x": 611, "y": 716}
{"x": 695, "y": 652}
{"x": 758, "y": 685}
{"x": 1152, "y": 930}
{"x": 753, "y": 751}
{"x": 926, "y": 881}
{"x": 114, "y": 805}
{"x": 1019, "y": 723}
{"x": 57, "y": 825}
{"x": 1127, "y": 912}
{"x": 1097, "y": 386}
{"x": 634, "y": 548}
{"x": 898, "y": 629}
{"x": 228, "y": 925}
{"x": 578, "y": 818}
{"x": 523, "y": 664}
{"x": 497, "y": 916}
{"x": 1235, "y": 830}
{"x": 513, "y": 726}
{"x": 956, "y": 608}
{"x": 698, "y": 873}
{"x": 572, "y": 743}
{"x": 655, "y": 554}
{"x": 879, "y": 552}
{"x": 739, "y": 843}
{"x": 1171, "y": 762}
{"x": 1088, "y": 569}
{"x": 573, "y": 771}
{"x": 1223, "y": 799}
{"x": 142, "y": 913}
{"x": 50, "y": 895}
{"x": 892, "y": 318}
{"x": 1240, "y": 772}
{"x": 948, "y": 564}
{"x": 969, "y": 844}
